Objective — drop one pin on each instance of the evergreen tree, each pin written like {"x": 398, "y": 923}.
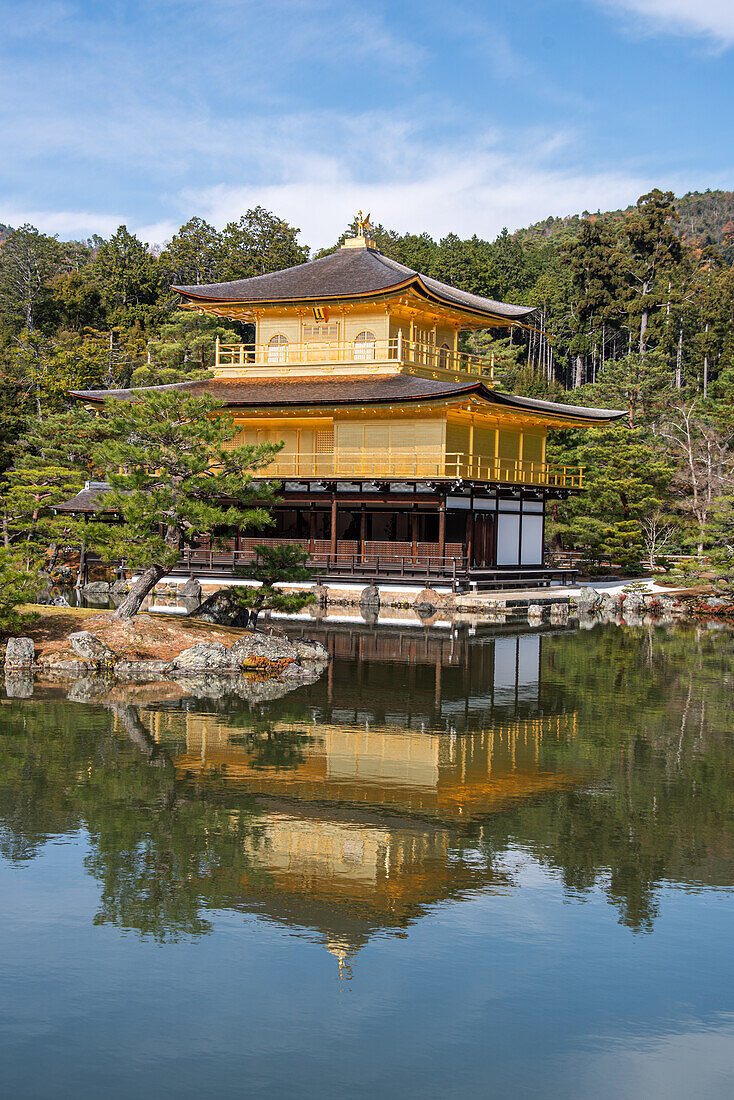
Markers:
{"x": 258, "y": 243}
{"x": 28, "y": 262}
{"x": 181, "y": 479}
{"x": 652, "y": 247}
{"x": 273, "y": 565}
{"x": 127, "y": 277}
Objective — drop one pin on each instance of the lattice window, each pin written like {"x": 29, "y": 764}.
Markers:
{"x": 320, "y": 332}
{"x": 325, "y": 441}
{"x": 277, "y": 348}
{"x": 364, "y": 346}
{"x": 235, "y": 441}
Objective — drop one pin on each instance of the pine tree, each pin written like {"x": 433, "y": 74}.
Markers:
{"x": 181, "y": 479}
{"x": 273, "y": 565}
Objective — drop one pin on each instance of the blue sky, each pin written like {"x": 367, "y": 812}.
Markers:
{"x": 437, "y": 116}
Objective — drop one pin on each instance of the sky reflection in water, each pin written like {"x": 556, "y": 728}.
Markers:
{"x": 456, "y": 865}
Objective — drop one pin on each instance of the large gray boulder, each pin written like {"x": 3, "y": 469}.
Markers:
{"x": 202, "y": 658}
{"x": 223, "y": 610}
{"x": 19, "y": 653}
{"x": 253, "y": 648}
{"x": 91, "y": 648}
{"x": 96, "y": 590}
{"x": 369, "y": 601}
{"x": 191, "y": 589}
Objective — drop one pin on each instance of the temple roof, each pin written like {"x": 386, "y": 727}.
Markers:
{"x": 347, "y": 273}
{"x": 237, "y": 393}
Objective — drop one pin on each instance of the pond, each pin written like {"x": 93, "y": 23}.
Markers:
{"x": 463, "y": 863}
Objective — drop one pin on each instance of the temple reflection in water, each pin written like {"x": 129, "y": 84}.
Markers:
{"x": 371, "y": 807}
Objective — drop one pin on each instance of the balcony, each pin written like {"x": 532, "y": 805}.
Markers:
{"x": 356, "y": 357}
{"x": 422, "y": 465}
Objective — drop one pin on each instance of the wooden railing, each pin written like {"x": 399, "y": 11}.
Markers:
{"x": 411, "y": 465}
{"x": 280, "y": 358}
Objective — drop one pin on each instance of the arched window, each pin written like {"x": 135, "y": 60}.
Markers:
{"x": 277, "y": 349}
{"x": 364, "y": 346}
{"x": 443, "y": 356}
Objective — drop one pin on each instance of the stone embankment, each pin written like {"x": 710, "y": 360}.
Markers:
{"x": 255, "y": 666}
{"x": 554, "y": 605}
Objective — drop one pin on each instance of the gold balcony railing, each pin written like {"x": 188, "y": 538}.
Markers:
{"x": 428, "y": 465}
{"x": 280, "y": 358}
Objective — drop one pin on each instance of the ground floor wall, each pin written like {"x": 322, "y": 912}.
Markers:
{"x": 477, "y": 528}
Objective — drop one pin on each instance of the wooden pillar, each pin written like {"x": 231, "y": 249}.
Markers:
{"x": 311, "y": 527}
{"x": 414, "y": 531}
{"x": 332, "y": 549}
{"x": 442, "y": 528}
{"x": 362, "y": 531}
{"x": 469, "y": 535}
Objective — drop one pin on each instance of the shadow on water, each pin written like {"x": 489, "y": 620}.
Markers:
{"x": 399, "y": 779}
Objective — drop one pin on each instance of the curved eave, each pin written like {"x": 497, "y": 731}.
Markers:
{"x": 414, "y": 283}
{"x": 549, "y": 412}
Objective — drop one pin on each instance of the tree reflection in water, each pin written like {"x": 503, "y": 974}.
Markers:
{"x": 359, "y": 801}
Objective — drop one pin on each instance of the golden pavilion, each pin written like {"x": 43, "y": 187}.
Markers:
{"x": 401, "y": 459}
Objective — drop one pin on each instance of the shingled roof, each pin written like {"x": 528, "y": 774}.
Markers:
{"x": 347, "y": 273}
{"x": 239, "y": 393}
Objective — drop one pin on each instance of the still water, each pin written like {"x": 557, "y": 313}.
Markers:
{"x": 458, "y": 865}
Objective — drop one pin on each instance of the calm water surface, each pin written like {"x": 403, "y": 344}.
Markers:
{"x": 458, "y": 865}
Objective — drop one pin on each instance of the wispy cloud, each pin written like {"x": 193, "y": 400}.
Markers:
{"x": 711, "y": 19}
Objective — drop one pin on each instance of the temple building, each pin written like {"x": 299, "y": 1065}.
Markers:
{"x": 400, "y": 457}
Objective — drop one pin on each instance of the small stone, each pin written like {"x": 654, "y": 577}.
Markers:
{"x": 322, "y": 595}
{"x": 91, "y": 648}
{"x": 535, "y": 612}
{"x": 559, "y": 613}
{"x": 19, "y": 653}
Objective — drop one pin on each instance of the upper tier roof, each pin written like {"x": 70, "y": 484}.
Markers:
{"x": 240, "y": 393}
{"x": 347, "y": 273}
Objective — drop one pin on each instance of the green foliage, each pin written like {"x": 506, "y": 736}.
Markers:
{"x": 29, "y": 260}
{"x": 51, "y": 465}
{"x": 127, "y": 277}
{"x": 181, "y": 479}
{"x": 273, "y": 565}
{"x": 18, "y": 585}
{"x": 183, "y": 349}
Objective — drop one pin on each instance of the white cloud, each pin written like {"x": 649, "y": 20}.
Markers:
{"x": 409, "y": 182}
{"x": 713, "y": 19}
{"x": 67, "y": 224}
{"x": 477, "y": 188}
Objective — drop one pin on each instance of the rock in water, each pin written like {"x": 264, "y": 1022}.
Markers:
{"x": 309, "y": 650}
{"x": 258, "y": 650}
{"x": 204, "y": 657}
{"x": 91, "y": 648}
{"x": 18, "y": 683}
{"x": 192, "y": 589}
{"x": 19, "y": 653}
{"x": 96, "y": 589}
{"x": 369, "y": 601}
{"x": 121, "y": 587}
